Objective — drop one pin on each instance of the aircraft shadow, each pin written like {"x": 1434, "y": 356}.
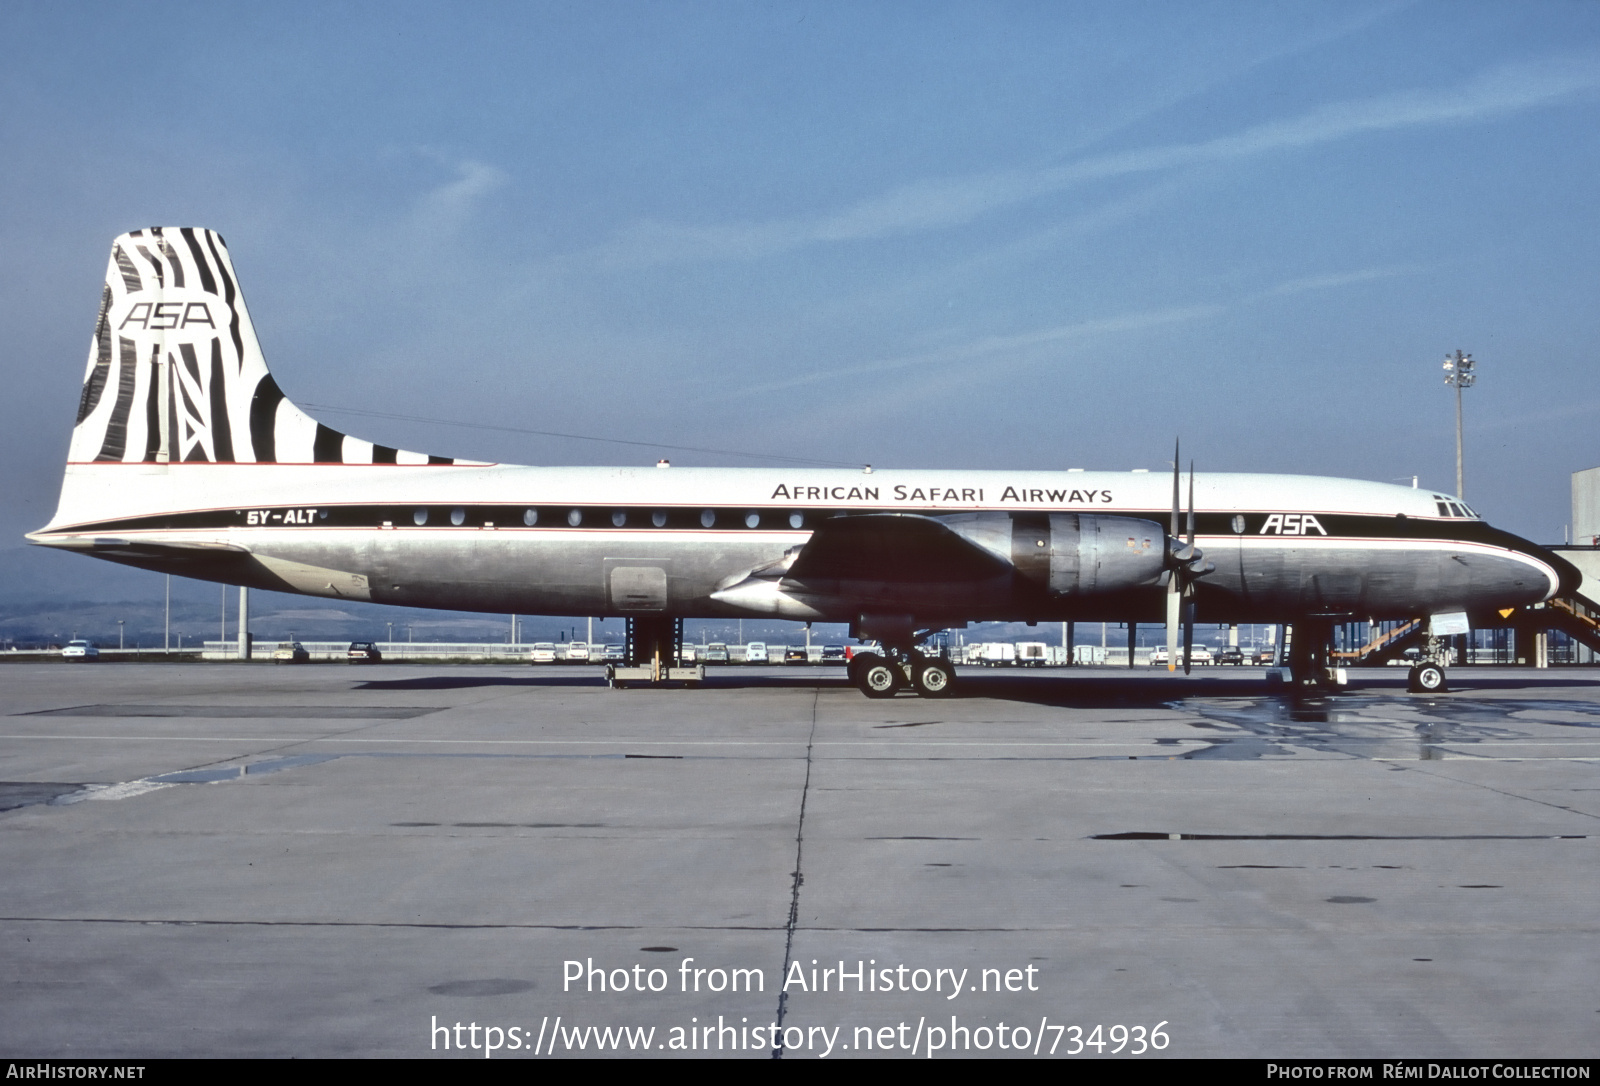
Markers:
{"x": 466, "y": 682}
{"x": 1066, "y": 690}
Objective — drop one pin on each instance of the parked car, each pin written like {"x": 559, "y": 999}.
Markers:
{"x": 755, "y": 652}
{"x": 795, "y": 654}
{"x": 577, "y": 652}
{"x": 717, "y": 653}
{"x": 1264, "y": 657}
{"x": 612, "y": 654}
{"x": 1199, "y": 655}
{"x": 290, "y": 653}
{"x": 1233, "y": 654}
{"x": 80, "y": 651}
{"x": 543, "y": 652}
{"x": 834, "y": 654}
{"x": 363, "y": 652}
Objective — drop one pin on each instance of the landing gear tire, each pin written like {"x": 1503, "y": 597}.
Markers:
{"x": 1427, "y": 679}
{"x": 859, "y": 661}
{"x": 933, "y": 678}
{"x": 879, "y": 678}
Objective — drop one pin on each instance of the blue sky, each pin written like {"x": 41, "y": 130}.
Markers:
{"x": 911, "y": 234}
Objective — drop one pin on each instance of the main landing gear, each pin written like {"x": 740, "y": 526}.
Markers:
{"x": 884, "y": 674}
{"x": 1309, "y": 655}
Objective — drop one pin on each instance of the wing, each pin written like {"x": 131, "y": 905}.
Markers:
{"x": 892, "y": 547}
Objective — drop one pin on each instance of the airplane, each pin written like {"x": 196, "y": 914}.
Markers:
{"x": 187, "y": 458}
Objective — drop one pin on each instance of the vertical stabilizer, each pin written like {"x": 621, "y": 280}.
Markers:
{"x": 175, "y": 374}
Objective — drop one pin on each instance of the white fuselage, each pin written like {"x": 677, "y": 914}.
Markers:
{"x": 618, "y": 541}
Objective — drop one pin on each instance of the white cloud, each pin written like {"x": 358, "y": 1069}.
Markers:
{"x": 444, "y": 210}
{"x": 1021, "y": 346}
{"x": 1340, "y": 279}
{"x": 941, "y": 203}
{"x": 942, "y": 358}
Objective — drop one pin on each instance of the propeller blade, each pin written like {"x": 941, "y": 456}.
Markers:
{"x": 1188, "y": 628}
{"x": 1176, "y": 474}
{"x": 1191, "y": 505}
{"x": 1174, "y": 602}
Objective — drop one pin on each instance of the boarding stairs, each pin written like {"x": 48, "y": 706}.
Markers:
{"x": 1575, "y": 616}
{"x": 1386, "y": 645}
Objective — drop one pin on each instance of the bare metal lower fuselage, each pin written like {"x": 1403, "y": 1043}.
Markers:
{"x": 663, "y": 542}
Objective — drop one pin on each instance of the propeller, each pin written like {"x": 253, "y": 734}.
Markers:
{"x": 1185, "y": 564}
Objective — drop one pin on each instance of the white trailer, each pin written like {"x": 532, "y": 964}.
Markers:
{"x": 997, "y": 654}
{"x": 1032, "y": 654}
{"x": 1089, "y": 655}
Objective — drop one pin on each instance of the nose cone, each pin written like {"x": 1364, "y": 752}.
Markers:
{"x": 1571, "y": 577}
{"x": 1565, "y": 578}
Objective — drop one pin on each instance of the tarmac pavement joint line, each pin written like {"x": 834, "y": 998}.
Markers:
{"x": 799, "y": 878}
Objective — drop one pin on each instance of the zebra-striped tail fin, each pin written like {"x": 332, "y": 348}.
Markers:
{"x": 176, "y": 376}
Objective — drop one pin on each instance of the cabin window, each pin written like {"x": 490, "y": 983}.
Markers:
{"x": 419, "y": 517}
{"x": 619, "y": 518}
{"x": 530, "y": 517}
{"x": 659, "y": 519}
{"x": 1444, "y": 510}
{"x": 707, "y": 518}
{"x": 796, "y": 520}
{"x": 752, "y": 520}
{"x": 575, "y": 517}
{"x": 458, "y": 517}
{"x": 1238, "y": 524}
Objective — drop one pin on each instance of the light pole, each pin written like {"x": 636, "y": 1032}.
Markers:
{"x": 1458, "y": 372}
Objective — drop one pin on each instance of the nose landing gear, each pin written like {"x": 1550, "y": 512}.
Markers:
{"x": 1427, "y": 677}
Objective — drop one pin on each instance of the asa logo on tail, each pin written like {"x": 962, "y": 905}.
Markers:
{"x": 161, "y": 316}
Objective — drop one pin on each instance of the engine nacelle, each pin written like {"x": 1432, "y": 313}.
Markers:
{"x": 1070, "y": 554}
